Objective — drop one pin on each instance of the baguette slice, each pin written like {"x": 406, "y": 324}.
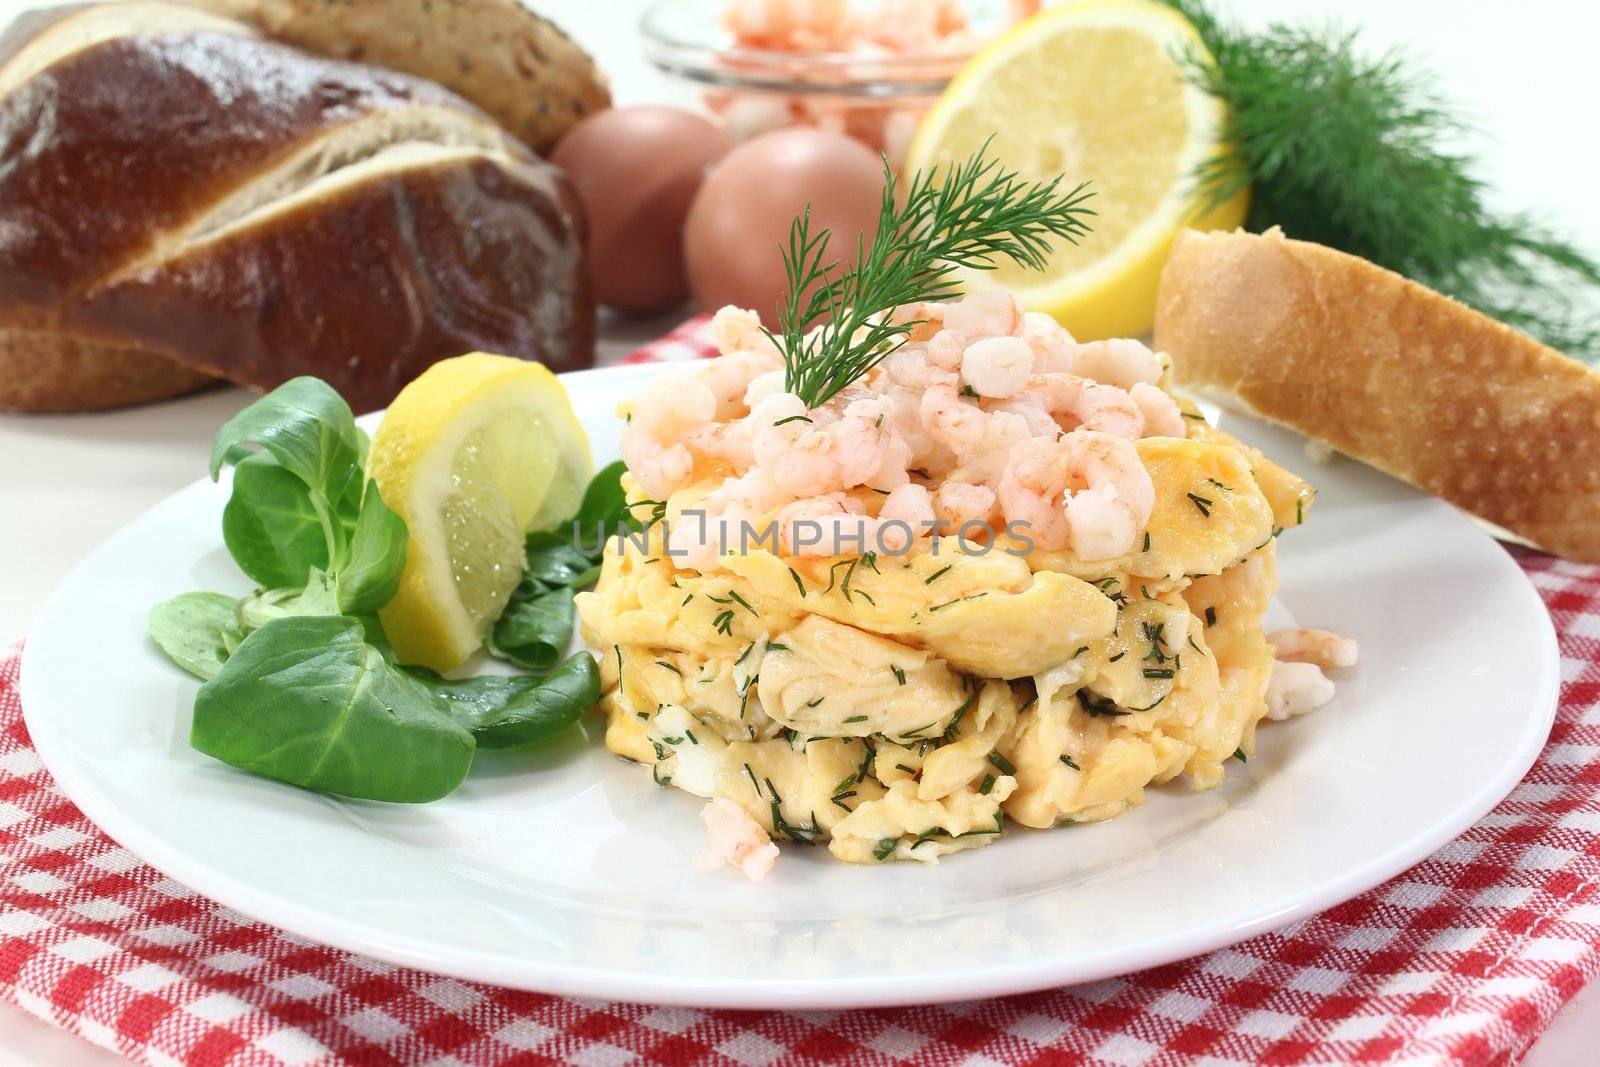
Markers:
{"x": 1394, "y": 374}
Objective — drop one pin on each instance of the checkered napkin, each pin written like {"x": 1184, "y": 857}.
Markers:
{"x": 691, "y": 340}
{"x": 1464, "y": 959}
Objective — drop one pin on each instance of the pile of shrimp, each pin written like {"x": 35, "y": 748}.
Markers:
{"x": 896, "y": 29}
{"x": 891, "y": 26}
{"x": 988, "y": 420}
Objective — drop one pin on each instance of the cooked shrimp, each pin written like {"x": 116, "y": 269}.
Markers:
{"x": 780, "y": 423}
{"x": 812, "y": 527}
{"x": 983, "y": 462}
{"x": 980, "y": 440}
{"x": 1296, "y": 688}
{"x": 915, "y": 25}
{"x": 696, "y": 542}
{"x": 928, "y": 317}
{"x": 675, "y": 402}
{"x": 1051, "y": 344}
{"x": 866, "y": 447}
{"x": 950, "y": 418}
{"x": 1162, "y": 418}
{"x": 910, "y": 504}
{"x": 892, "y": 26}
{"x": 703, "y": 533}
{"x": 1321, "y": 647}
{"x": 747, "y": 354}
{"x": 1031, "y": 409}
{"x": 904, "y": 28}
{"x": 729, "y": 377}
{"x": 837, "y": 525}
{"x": 858, "y": 416}
{"x": 660, "y": 469}
{"x": 735, "y": 328}
{"x": 674, "y": 405}
{"x": 1087, "y": 404}
{"x": 908, "y": 367}
{"x": 1084, "y": 490}
{"x": 785, "y": 25}
{"x": 734, "y": 838}
{"x": 728, "y": 442}
{"x": 810, "y": 453}
{"x": 1121, "y": 361}
{"x": 958, "y": 504}
{"x": 944, "y": 351}
{"x": 985, "y": 313}
{"x": 997, "y": 367}
{"x": 926, "y": 453}
{"x": 763, "y": 386}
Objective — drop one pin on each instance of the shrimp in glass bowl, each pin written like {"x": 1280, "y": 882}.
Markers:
{"x": 864, "y": 68}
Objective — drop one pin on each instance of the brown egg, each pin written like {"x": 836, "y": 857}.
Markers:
{"x": 740, "y": 220}
{"x": 636, "y": 170}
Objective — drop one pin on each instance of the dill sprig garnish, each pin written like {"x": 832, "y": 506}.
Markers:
{"x": 1352, "y": 150}
{"x": 971, "y": 215}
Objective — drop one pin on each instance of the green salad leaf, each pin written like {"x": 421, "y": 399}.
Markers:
{"x": 305, "y": 425}
{"x": 552, "y": 560}
{"x": 377, "y": 556}
{"x": 604, "y": 510}
{"x": 309, "y": 469}
{"x": 304, "y": 699}
{"x": 317, "y": 597}
{"x": 534, "y": 629}
{"x": 303, "y": 520}
{"x": 197, "y": 630}
{"x": 504, "y": 711}
{"x": 271, "y": 528}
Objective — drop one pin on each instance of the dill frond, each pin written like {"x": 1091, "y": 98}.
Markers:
{"x": 969, "y": 215}
{"x": 1348, "y": 149}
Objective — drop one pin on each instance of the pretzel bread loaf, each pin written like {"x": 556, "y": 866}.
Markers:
{"x": 180, "y": 198}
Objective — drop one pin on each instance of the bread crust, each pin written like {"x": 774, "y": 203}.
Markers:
{"x": 181, "y": 120}
{"x": 1394, "y": 374}
{"x": 400, "y": 284}
{"x": 54, "y": 371}
{"x": 511, "y": 62}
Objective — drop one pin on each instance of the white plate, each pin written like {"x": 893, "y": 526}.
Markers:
{"x": 570, "y": 872}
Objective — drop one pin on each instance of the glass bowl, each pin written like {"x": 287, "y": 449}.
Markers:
{"x": 874, "y": 94}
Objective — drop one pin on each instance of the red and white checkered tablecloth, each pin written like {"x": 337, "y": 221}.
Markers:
{"x": 1463, "y": 959}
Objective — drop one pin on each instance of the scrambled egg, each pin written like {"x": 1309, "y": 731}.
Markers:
{"x": 905, "y": 708}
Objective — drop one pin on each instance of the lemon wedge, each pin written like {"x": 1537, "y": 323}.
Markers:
{"x": 1094, "y": 91}
{"x": 473, "y": 454}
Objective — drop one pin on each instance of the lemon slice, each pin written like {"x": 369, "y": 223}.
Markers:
{"x": 473, "y": 454}
{"x": 1094, "y": 91}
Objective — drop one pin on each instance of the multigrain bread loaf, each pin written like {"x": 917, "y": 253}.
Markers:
{"x": 182, "y": 198}
{"x": 518, "y": 67}
{"x": 1394, "y": 374}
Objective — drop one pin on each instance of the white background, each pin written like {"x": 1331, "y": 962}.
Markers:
{"x": 1525, "y": 74}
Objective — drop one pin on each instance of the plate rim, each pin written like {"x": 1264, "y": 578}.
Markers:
{"x": 760, "y": 992}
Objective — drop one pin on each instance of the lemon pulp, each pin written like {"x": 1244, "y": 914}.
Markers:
{"x": 1093, "y": 91}
{"x": 475, "y": 453}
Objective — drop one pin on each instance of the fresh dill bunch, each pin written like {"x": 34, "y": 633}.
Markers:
{"x": 963, "y": 215}
{"x": 1347, "y": 149}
